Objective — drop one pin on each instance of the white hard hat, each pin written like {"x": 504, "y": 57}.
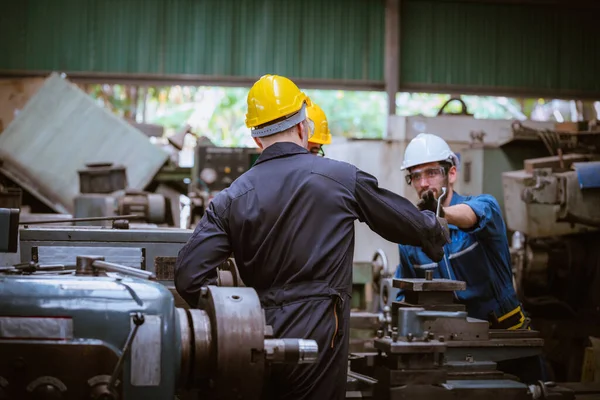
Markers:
{"x": 427, "y": 148}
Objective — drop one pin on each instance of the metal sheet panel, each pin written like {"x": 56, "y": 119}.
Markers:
{"x": 319, "y": 40}
{"x": 145, "y": 352}
{"x": 476, "y": 47}
{"x": 67, "y": 255}
{"x": 491, "y": 47}
{"x": 38, "y": 328}
{"x": 156, "y": 243}
{"x": 60, "y": 130}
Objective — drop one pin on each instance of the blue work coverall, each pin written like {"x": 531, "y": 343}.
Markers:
{"x": 480, "y": 257}
{"x": 289, "y": 222}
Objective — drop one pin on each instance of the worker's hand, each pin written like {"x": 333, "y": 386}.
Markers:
{"x": 435, "y": 249}
{"x": 429, "y": 202}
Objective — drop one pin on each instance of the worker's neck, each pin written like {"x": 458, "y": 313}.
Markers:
{"x": 281, "y": 138}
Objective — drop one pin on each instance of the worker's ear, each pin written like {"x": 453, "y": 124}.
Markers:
{"x": 258, "y": 143}
{"x": 303, "y": 133}
{"x": 452, "y": 175}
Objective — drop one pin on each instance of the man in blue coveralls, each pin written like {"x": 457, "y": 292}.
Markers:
{"x": 478, "y": 253}
{"x": 289, "y": 221}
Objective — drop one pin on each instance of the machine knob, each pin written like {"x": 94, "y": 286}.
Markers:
{"x": 208, "y": 175}
{"x": 102, "y": 392}
{"x": 47, "y": 388}
{"x": 47, "y": 391}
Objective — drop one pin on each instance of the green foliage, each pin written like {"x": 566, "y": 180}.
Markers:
{"x": 219, "y": 112}
{"x": 353, "y": 114}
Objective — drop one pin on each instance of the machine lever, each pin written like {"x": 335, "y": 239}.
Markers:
{"x": 88, "y": 265}
{"x": 138, "y": 320}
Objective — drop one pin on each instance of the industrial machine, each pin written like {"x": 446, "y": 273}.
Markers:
{"x": 152, "y": 249}
{"x": 215, "y": 168}
{"x": 104, "y": 193}
{"x": 552, "y": 206}
{"x": 101, "y": 330}
{"x": 431, "y": 349}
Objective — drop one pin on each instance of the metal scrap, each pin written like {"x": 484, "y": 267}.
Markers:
{"x": 58, "y": 132}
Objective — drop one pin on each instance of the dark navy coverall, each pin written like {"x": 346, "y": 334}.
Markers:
{"x": 289, "y": 222}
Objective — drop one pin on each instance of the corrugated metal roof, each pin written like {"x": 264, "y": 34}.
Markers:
{"x": 315, "y": 39}
{"x": 60, "y": 130}
{"x": 499, "y": 47}
{"x": 449, "y": 45}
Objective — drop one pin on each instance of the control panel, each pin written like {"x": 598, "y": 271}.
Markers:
{"x": 217, "y": 167}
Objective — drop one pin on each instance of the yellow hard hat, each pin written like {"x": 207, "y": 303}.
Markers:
{"x": 318, "y": 119}
{"x": 271, "y": 99}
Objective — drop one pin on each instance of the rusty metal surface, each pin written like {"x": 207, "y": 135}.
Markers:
{"x": 544, "y": 220}
{"x": 238, "y": 326}
{"x": 228, "y": 274}
{"x": 186, "y": 346}
{"x": 203, "y": 348}
{"x": 61, "y": 129}
{"x": 164, "y": 267}
{"x": 423, "y": 285}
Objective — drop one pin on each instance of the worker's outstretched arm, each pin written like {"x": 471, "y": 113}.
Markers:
{"x": 396, "y": 219}
{"x": 481, "y": 215}
{"x": 197, "y": 262}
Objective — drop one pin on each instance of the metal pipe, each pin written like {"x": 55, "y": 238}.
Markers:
{"x": 52, "y": 221}
{"x": 112, "y": 267}
{"x": 292, "y": 351}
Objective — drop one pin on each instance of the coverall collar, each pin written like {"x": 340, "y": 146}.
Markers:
{"x": 280, "y": 149}
{"x": 456, "y": 199}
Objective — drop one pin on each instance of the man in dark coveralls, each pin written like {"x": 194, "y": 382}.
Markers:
{"x": 289, "y": 222}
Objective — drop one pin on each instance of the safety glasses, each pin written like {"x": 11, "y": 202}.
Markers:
{"x": 428, "y": 173}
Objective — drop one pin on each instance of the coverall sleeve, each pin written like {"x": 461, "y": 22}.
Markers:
{"x": 489, "y": 216}
{"x": 393, "y": 217}
{"x": 404, "y": 270}
{"x": 197, "y": 262}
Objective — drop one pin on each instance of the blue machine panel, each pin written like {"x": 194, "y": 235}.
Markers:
{"x": 588, "y": 174}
